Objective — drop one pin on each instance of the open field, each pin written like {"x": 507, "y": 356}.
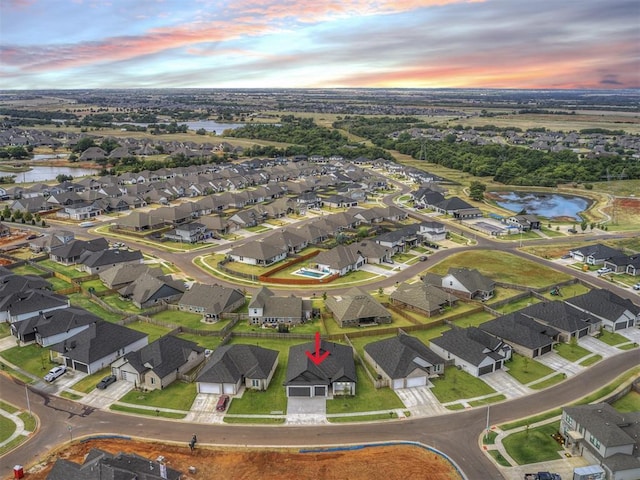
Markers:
{"x": 388, "y": 462}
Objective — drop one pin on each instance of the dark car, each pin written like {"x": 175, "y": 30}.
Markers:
{"x": 423, "y": 258}
{"x": 106, "y": 381}
{"x": 222, "y": 403}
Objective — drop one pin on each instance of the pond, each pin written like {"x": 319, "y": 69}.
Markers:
{"x": 208, "y": 125}
{"x": 46, "y": 173}
{"x": 550, "y": 205}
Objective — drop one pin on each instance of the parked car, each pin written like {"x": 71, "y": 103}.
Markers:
{"x": 636, "y": 286}
{"x": 106, "y": 381}
{"x": 603, "y": 270}
{"x": 55, "y": 372}
{"x": 223, "y": 401}
{"x": 566, "y": 256}
{"x": 572, "y": 230}
{"x": 423, "y": 258}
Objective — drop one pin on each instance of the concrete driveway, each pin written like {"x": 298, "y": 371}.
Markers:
{"x": 306, "y": 411}
{"x": 203, "y": 409}
{"x": 504, "y": 383}
{"x": 104, "y": 398}
{"x": 420, "y": 401}
{"x": 560, "y": 364}
{"x": 596, "y": 346}
{"x": 61, "y": 383}
{"x": 633, "y": 334}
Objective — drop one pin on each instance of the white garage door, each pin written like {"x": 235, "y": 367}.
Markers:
{"x": 229, "y": 388}
{"x": 130, "y": 377}
{"x": 416, "y": 382}
{"x": 398, "y": 383}
{"x": 209, "y": 388}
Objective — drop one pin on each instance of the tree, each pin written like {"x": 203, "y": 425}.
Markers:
{"x": 83, "y": 144}
{"x": 584, "y": 225}
{"x": 476, "y": 190}
{"x": 63, "y": 178}
{"x": 28, "y": 217}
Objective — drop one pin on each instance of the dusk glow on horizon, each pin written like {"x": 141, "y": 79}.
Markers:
{"x": 69, "y": 44}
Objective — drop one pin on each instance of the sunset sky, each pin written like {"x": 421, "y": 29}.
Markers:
{"x": 319, "y": 43}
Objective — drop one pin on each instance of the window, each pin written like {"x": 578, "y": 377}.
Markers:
{"x": 255, "y": 383}
{"x": 594, "y": 441}
{"x": 569, "y": 420}
{"x": 153, "y": 381}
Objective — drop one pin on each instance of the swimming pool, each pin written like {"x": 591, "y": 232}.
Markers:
{"x": 306, "y": 272}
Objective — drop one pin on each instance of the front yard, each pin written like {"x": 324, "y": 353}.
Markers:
{"x": 177, "y": 396}
{"x": 457, "y": 385}
{"x": 534, "y": 445}
{"x": 571, "y": 351}
{"x": 32, "y": 358}
{"x": 525, "y": 369}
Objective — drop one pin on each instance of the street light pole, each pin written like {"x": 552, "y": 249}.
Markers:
{"x": 486, "y": 433}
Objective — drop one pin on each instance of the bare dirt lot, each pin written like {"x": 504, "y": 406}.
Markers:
{"x": 384, "y": 462}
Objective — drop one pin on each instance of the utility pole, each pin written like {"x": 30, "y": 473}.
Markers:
{"x": 486, "y": 434}
{"x": 26, "y": 392}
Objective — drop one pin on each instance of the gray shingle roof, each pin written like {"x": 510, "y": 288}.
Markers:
{"x": 422, "y": 296}
{"x": 355, "y": 304}
{"x": 397, "y": 356}
{"x": 469, "y": 344}
{"x": 163, "y": 356}
{"x": 56, "y": 321}
{"x": 338, "y": 366}
{"x": 609, "y": 426}
{"x": 109, "y": 256}
{"x": 76, "y": 247}
{"x": 604, "y": 303}
{"x": 96, "y": 342}
{"x": 19, "y": 303}
{"x": 230, "y": 363}
{"x": 520, "y": 329}
{"x": 472, "y": 279}
{"x": 560, "y": 315}
{"x": 215, "y": 299}
{"x": 337, "y": 258}
{"x": 276, "y": 307}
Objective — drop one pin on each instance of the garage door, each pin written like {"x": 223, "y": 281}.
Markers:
{"x": 398, "y": 383}
{"x": 229, "y": 388}
{"x": 320, "y": 391}
{"x": 487, "y": 369}
{"x": 130, "y": 377}
{"x": 545, "y": 349}
{"x": 299, "y": 391}
{"x": 582, "y": 333}
{"x": 416, "y": 382}
{"x": 209, "y": 388}
{"x": 621, "y": 325}
{"x": 82, "y": 367}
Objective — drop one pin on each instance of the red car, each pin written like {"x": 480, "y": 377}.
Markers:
{"x": 222, "y": 403}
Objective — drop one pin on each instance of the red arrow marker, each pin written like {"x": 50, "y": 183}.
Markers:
{"x": 316, "y": 357}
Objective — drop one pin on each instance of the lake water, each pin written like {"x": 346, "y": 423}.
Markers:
{"x": 545, "y": 205}
{"x": 208, "y": 125}
{"x": 44, "y": 173}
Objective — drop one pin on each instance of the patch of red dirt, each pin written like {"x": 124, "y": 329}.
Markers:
{"x": 389, "y": 462}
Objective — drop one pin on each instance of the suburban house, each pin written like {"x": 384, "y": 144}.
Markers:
{"x": 403, "y": 361}
{"x": 527, "y": 336}
{"x": 624, "y": 264}
{"x": 12, "y": 283}
{"x": 95, "y": 262}
{"x": 372, "y": 252}
{"x": 188, "y": 233}
{"x": 70, "y": 253}
{"x": 266, "y": 308}
{"x": 569, "y": 321}
{"x": 427, "y": 300}
{"x": 125, "y": 273}
{"x": 467, "y": 283}
{"x": 48, "y": 241}
{"x": 232, "y": 367}
{"x": 615, "y": 312}
{"x": 98, "y": 346}
{"x": 211, "y": 300}
{"x": 158, "y": 364}
{"x": 432, "y": 231}
{"x": 149, "y": 289}
{"x": 523, "y": 222}
{"x": 605, "y": 437}
{"x": 80, "y": 211}
{"x": 29, "y": 303}
{"x": 336, "y": 375}
{"x": 356, "y": 308}
{"x": 101, "y": 464}
{"x": 339, "y": 260}
{"x": 53, "y": 327}
{"x": 260, "y": 252}
{"x": 472, "y": 350}
{"x": 594, "y": 254}
{"x": 399, "y": 240}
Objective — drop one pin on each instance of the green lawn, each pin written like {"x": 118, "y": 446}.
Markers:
{"x": 5, "y": 329}
{"x": 629, "y": 403}
{"x": 474, "y": 319}
{"x": 27, "y": 270}
{"x": 591, "y": 360}
{"x": 548, "y": 382}
{"x": 32, "y": 358}
{"x": 307, "y": 328}
{"x": 429, "y": 334}
{"x": 396, "y": 321}
{"x": 517, "y": 305}
{"x": 568, "y": 291}
{"x": 12, "y": 444}
{"x": 69, "y": 271}
{"x": 366, "y": 399}
{"x": 29, "y": 421}
{"x": 79, "y": 300}
{"x": 611, "y": 338}
{"x": 116, "y": 301}
{"x": 503, "y": 266}
{"x": 188, "y": 319}
{"x": 487, "y": 401}
{"x": 7, "y": 427}
{"x": 58, "y": 283}
{"x": 499, "y": 458}
{"x": 177, "y": 396}
{"x": 525, "y": 369}
{"x": 207, "y": 341}
{"x": 363, "y": 418}
{"x": 457, "y": 384}
{"x": 253, "y": 420}
{"x": 96, "y": 284}
{"x": 154, "y": 331}
{"x": 571, "y": 351}
{"x": 7, "y": 407}
{"x": 533, "y": 445}
{"x": 89, "y": 382}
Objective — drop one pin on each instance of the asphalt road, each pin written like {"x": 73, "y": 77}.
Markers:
{"x": 456, "y": 434}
